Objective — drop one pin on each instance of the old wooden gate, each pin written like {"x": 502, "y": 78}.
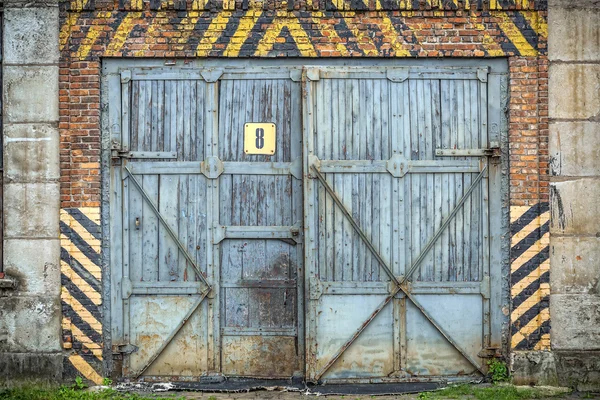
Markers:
{"x": 381, "y": 184}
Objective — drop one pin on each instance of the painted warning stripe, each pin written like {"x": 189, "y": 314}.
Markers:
{"x": 258, "y": 33}
{"x": 530, "y": 284}
{"x": 80, "y": 237}
{"x": 346, "y": 5}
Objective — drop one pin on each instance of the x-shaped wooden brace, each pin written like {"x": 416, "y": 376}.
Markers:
{"x": 399, "y": 283}
{"x": 187, "y": 256}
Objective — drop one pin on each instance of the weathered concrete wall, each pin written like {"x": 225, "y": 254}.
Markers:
{"x": 30, "y": 325}
{"x": 574, "y": 110}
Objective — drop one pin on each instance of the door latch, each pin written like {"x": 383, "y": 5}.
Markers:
{"x": 124, "y": 348}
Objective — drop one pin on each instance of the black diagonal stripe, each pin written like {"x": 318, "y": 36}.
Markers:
{"x": 223, "y": 40}
{"x": 80, "y": 323}
{"x": 505, "y": 43}
{"x": 531, "y": 264}
{"x": 344, "y": 32}
{"x": 81, "y": 244}
{"x": 306, "y": 21}
{"x": 530, "y": 290}
{"x": 69, "y": 370}
{"x": 199, "y": 30}
{"x": 528, "y": 241}
{"x": 89, "y": 225}
{"x": 528, "y": 216}
{"x": 526, "y": 30}
{"x": 249, "y": 47}
{"x": 289, "y": 47}
{"x": 80, "y": 270}
{"x": 400, "y": 27}
{"x": 533, "y": 339}
{"x": 529, "y": 315}
{"x": 81, "y": 297}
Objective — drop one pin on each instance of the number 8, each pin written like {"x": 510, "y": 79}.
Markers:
{"x": 260, "y": 138}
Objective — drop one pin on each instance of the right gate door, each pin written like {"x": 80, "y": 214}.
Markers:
{"x": 403, "y": 222}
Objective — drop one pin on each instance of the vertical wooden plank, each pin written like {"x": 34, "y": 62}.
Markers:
{"x": 309, "y": 220}
{"x": 293, "y": 94}
{"x": 331, "y": 139}
{"x": 364, "y": 190}
{"x": 381, "y": 152}
{"x": 160, "y": 112}
{"x": 406, "y": 202}
{"x": 154, "y": 101}
{"x": 346, "y": 189}
{"x": 446, "y": 132}
{"x": 353, "y": 180}
{"x": 427, "y": 194}
{"x": 416, "y": 116}
{"x": 149, "y": 227}
{"x": 321, "y": 133}
{"x": 131, "y": 128}
{"x": 458, "y": 179}
{"x": 438, "y": 142}
{"x": 476, "y": 195}
{"x": 115, "y": 210}
{"x": 468, "y": 143}
{"x": 339, "y": 115}
{"x": 483, "y": 104}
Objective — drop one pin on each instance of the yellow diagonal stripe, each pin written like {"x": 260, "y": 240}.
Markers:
{"x": 85, "y": 369}
{"x": 531, "y": 301}
{"x": 534, "y": 324}
{"x": 65, "y": 29}
{"x": 528, "y": 254}
{"x": 81, "y": 231}
{"x": 85, "y": 315}
{"x": 92, "y": 34}
{"x": 242, "y": 32}
{"x": 214, "y": 31}
{"x": 517, "y": 212}
{"x": 530, "y": 227}
{"x": 94, "y": 348}
{"x": 537, "y": 22}
{"x": 302, "y": 40}
{"x": 514, "y": 35}
{"x": 121, "y": 34}
{"x": 90, "y": 292}
{"x": 389, "y": 32}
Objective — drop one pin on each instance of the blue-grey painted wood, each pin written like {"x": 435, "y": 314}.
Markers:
{"x": 361, "y": 117}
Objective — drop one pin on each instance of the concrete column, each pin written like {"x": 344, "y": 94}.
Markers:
{"x": 30, "y": 325}
{"x": 574, "y": 110}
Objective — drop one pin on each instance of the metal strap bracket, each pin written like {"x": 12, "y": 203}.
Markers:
{"x": 316, "y": 288}
{"x": 211, "y": 75}
{"x": 212, "y": 167}
{"x": 397, "y": 74}
{"x": 125, "y": 76}
{"x": 397, "y": 166}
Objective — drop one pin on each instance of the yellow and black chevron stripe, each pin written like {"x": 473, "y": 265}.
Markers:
{"x": 81, "y": 292}
{"x": 268, "y": 33}
{"x": 530, "y": 283}
{"x": 349, "y": 5}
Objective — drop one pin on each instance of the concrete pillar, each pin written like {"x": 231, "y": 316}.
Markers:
{"x": 30, "y": 325}
{"x": 574, "y": 111}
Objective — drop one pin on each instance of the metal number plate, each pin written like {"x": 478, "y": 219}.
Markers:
{"x": 259, "y": 138}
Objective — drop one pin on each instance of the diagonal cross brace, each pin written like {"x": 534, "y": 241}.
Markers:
{"x": 168, "y": 227}
{"x": 195, "y": 306}
{"x": 399, "y": 284}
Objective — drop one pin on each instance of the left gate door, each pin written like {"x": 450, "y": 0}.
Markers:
{"x": 160, "y": 233}
{"x": 206, "y": 248}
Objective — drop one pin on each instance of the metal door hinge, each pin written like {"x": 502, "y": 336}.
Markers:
{"x": 124, "y": 348}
